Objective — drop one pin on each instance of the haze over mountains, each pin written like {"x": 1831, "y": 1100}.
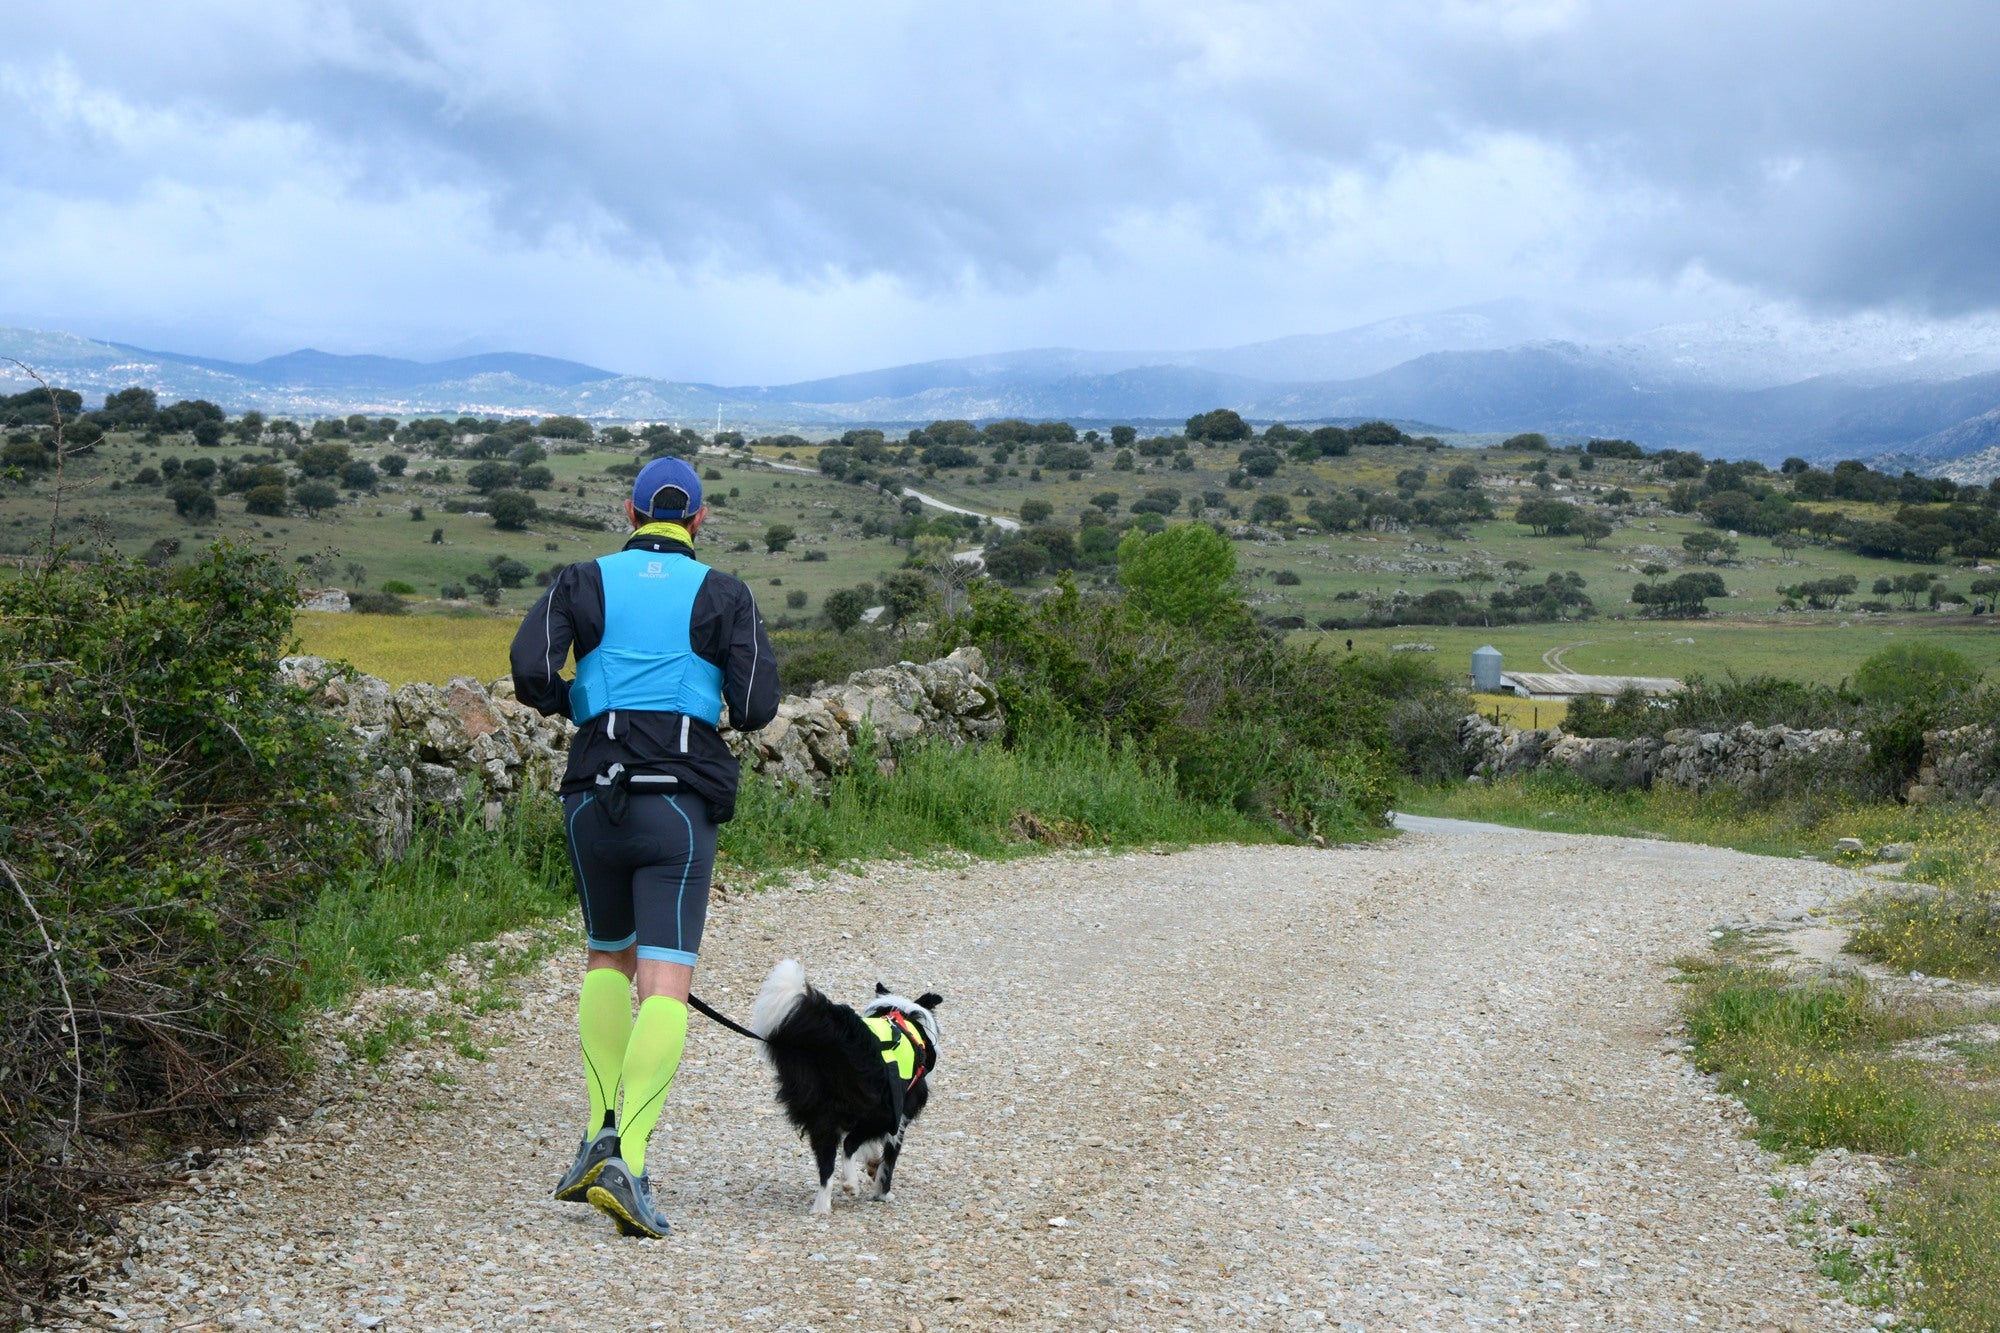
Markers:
{"x": 1762, "y": 383}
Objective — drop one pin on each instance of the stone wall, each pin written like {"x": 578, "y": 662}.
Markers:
{"x": 813, "y": 736}
{"x": 430, "y": 747}
{"x": 1961, "y": 764}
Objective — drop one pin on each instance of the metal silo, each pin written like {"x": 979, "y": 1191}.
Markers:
{"x": 1486, "y": 669}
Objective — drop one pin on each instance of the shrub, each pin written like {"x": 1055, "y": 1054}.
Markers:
{"x": 316, "y": 497}
{"x": 1177, "y": 669}
{"x": 399, "y": 587}
{"x": 806, "y": 657}
{"x": 1911, "y": 670}
{"x": 1017, "y": 562}
{"x": 382, "y": 603}
{"x": 209, "y": 812}
{"x": 511, "y": 510}
{"x": 192, "y": 501}
{"x": 507, "y": 571}
{"x": 266, "y": 500}
{"x": 1184, "y": 575}
{"x": 843, "y": 608}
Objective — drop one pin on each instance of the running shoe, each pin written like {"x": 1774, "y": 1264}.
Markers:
{"x": 628, "y": 1200}
{"x": 591, "y": 1155}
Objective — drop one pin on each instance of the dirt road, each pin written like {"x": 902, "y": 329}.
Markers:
{"x": 1430, "y": 1083}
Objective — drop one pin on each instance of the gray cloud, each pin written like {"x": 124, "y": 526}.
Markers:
{"x": 902, "y": 177}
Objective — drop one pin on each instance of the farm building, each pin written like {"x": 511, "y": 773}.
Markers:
{"x": 1566, "y": 686}
{"x": 1489, "y": 677}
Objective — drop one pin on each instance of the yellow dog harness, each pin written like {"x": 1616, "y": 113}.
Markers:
{"x": 902, "y": 1045}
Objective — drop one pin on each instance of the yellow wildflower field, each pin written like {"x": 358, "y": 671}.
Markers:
{"x": 1518, "y": 712}
{"x": 404, "y": 648}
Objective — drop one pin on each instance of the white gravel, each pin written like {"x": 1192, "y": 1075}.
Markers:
{"x": 1425, "y": 1084}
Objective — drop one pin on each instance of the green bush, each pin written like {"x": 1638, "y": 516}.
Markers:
{"x": 165, "y": 801}
{"x": 806, "y": 657}
{"x": 383, "y": 603}
{"x": 1178, "y": 669}
{"x": 1904, "y": 672}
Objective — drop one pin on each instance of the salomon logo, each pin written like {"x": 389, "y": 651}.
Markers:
{"x": 654, "y": 569}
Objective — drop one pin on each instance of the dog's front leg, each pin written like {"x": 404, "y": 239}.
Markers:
{"x": 826, "y": 1150}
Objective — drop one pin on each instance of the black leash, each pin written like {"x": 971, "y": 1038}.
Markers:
{"x": 700, "y": 1005}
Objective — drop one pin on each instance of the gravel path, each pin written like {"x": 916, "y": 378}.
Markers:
{"x": 1430, "y": 1083}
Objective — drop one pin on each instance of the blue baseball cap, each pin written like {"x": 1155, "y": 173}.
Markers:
{"x": 657, "y": 476}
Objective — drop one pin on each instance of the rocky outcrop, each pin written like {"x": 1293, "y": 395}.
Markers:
{"x": 429, "y": 747}
{"x": 327, "y": 599}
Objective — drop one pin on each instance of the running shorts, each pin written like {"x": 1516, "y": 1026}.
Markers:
{"x": 643, "y": 880}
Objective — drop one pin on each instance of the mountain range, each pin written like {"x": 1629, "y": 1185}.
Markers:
{"x": 1762, "y": 384}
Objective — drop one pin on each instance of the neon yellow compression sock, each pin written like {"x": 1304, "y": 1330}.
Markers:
{"x": 654, "y": 1054}
{"x": 604, "y": 1020}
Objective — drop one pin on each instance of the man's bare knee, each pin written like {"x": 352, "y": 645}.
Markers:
{"x": 658, "y": 977}
{"x": 624, "y": 960}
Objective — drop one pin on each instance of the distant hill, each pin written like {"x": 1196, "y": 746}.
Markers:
{"x": 1762, "y": 386}
{"x": 311, "y": 369}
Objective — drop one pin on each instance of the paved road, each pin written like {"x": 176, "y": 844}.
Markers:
{"x": 1428, "y": 1084}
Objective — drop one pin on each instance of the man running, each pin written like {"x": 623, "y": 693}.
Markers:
{"x": 662, "y": 642}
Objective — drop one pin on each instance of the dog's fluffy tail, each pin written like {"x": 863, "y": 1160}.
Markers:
{"x": 779, "y": 997}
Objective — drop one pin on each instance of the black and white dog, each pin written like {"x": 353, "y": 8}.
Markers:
{"x": 850, "y": 1083}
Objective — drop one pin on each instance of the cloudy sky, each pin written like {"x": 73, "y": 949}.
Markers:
{"x": 766, "y": 191}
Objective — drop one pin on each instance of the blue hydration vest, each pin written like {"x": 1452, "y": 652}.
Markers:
{"x": 645, "y": 662}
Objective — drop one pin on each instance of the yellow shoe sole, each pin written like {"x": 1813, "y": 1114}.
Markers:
{"x": 580, "y": 1191}
{"x": 604, "y": 1201}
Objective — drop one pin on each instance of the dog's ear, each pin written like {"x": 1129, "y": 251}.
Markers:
{"x": 880, "y": 989}
{"x": 930, "y": 999}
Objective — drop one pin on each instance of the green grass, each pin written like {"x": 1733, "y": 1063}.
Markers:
{"x": 1811, "y": 1060}
{"x": 1816, "y": 1062}
{"x": 1059, "y": 789}
{"x": 458, "y": 885}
